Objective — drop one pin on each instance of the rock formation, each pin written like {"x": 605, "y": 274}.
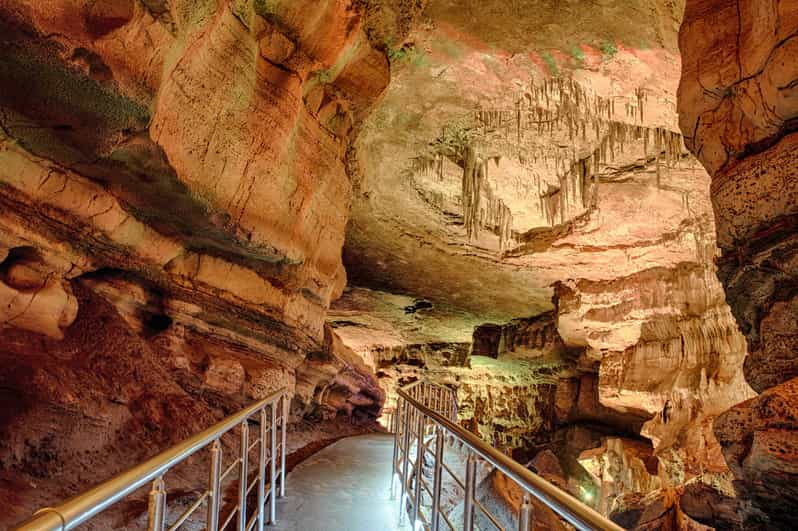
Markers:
{"x": 174, "y": 195}
{"x": 203, "y": 201}
{"x": 738, "y": 108}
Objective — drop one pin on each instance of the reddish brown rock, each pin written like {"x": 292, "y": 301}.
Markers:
{"x": 157, "y": 161}
{"x": 760, "y": 446}
{"x": 668, "y": 356}
{"x": 738, "y": 109}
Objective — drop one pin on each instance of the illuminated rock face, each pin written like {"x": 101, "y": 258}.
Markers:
{"x": 518, "y": 216}
{"x": 581, "y": 144}
{"x": 738, "y": 110}
{"x": 668, "y": 352}
{"x": 173, "y": 197}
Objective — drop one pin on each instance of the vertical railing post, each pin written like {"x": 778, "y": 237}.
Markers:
{"x": 450, "y": 405}
{"x": 243, "y": 477}
{"x": 156, "y": 517}
{"x": 284, "y": 425}
{"x": 454, "y": 405}
{"x": 214, "y": 484}
{"x": 405, "y": 459}
{"x": 470, "y": 488}
{"x": 436, "y": 481}
{"x": 273, "y": 467}
{"x": 418, "y": 468}
{"x": 262, "y": 471}
{"x": 526, "y": 514}
{"x": 394, "y": 461}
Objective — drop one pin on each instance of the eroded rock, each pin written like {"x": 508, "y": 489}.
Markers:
{"x": 738, "y": 109}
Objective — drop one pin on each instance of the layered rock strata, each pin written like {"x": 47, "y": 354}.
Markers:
{"x": 173, "y": 197}
{"x": 738, "y": 108}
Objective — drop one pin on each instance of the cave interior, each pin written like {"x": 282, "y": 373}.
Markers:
{"x": 580, "y": 216}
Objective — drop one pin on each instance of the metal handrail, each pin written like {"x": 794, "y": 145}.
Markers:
{"x": 413, "y": 417}
{"x": 83, "y": 507}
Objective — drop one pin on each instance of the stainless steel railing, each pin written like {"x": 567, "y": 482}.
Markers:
{"x": 427, "y": 412}
{"x": 270, "y": 414}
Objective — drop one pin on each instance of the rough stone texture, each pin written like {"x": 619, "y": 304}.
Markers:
{"x": 758, "y": 439}
{"x": 407, "y": 217}
{"x": 628, "y": 239}
{"x": 619, "y": 467}
{"x": 738, "y": 111}
{"x": 172, "y": 174}
{"x": 191, "y": 164}
{"x": 667, "y": 352}
{"x": 712, "y": 501}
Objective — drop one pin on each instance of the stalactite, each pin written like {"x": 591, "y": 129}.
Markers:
{"x": 505, "y": 225}
{"x": 555, "y": 106}
{"x": 470, "y": 193}
{"x": 658, "y": 152}
{"x": 640, "y": 93}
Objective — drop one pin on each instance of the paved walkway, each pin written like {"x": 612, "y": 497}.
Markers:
{"x": 344, "y": 487}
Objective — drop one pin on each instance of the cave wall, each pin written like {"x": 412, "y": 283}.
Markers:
{"x": 738, "y": 103}
{"x": 666, "y": 352}
{"x": 173, "y": 198}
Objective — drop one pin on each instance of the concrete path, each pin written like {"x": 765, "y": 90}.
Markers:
{"x": 344, "y": 487}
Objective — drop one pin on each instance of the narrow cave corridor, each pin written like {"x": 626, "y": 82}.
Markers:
{"x": 355, "y": 265}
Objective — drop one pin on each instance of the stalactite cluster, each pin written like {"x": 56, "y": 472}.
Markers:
{"x": 546, "y": 109}
{"x": 428, "y": 165}
{"x": 557, "y": 104}
{"x": 671, "y": 144}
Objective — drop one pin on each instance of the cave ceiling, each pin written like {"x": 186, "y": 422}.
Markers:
{"x": 556, "y": 109}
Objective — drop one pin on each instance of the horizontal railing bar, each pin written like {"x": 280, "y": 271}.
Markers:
{"x": 254, "y": 482}
{"x": 487, "y": 513}
{"x": 229, "y": 469}
{"x": 562, "y": 503}
{"x": 229, "y": 518}
{"x": 454, "y": 477}
{"x": 78, "y": 509}
{"x": 189, "y": 511}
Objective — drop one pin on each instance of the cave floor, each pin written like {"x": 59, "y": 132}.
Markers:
{"x": 344, "y": 487}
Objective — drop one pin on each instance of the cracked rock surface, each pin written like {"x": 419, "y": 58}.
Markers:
{"x": 738, "y": 107}
{"x": 577, "y": 215}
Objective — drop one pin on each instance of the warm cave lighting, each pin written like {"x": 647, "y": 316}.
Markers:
{"x": 507, "y": 264}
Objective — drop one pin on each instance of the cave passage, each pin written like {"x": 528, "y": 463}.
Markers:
{"x": 578, "y": 219}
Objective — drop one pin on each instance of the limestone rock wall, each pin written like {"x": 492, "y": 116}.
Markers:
{"x": 505, "y": 396}
{"x": 667, "y": 352}
{"x": 739, "y": 111}
{"x": 173, "y": 198}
